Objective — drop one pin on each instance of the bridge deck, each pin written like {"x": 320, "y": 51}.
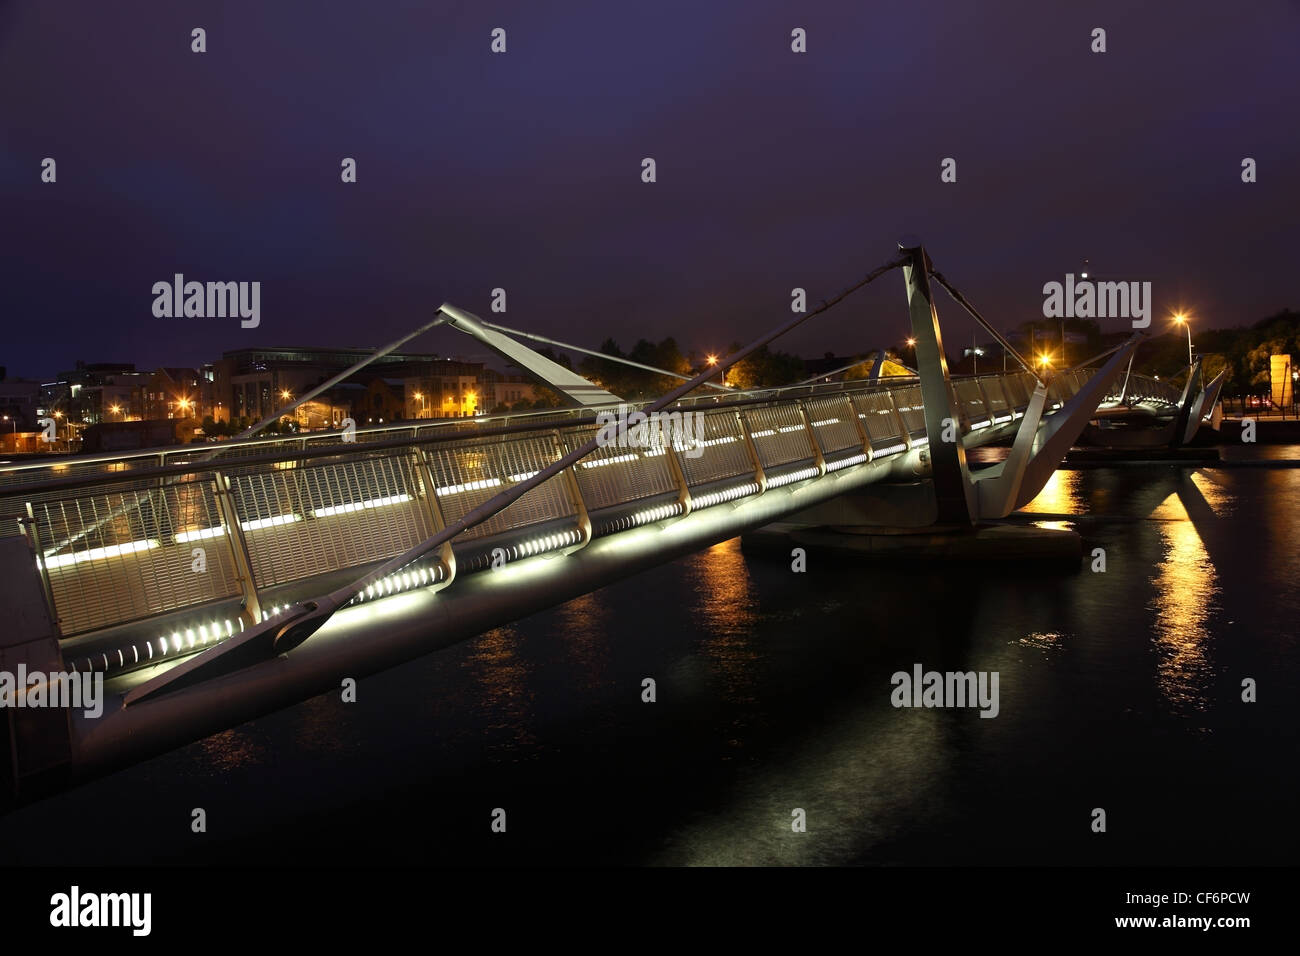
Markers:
{"x": 150, "y": 557}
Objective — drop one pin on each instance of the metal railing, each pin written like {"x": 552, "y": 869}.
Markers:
{"x": 175, "y": 553}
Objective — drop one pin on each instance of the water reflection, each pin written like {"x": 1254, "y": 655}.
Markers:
{"x": 1186, "y": 586}
{"x": 319, "y": 724}
{"x": 586, "y": 626}
{"x": 1049, "y": 642}
{"x": 858, "y": 782}
{"x": 232, "y": 750}
{"x": 725, "y": 611}
{"x": 494, "y": 665}
{"x": 1060, "y": 496}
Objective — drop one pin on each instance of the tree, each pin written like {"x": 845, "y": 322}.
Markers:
{"x": 765, "y": 369}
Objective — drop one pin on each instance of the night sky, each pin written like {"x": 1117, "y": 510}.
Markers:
{"x": 523, "y": 170}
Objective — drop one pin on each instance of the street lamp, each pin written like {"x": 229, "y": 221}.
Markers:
{"x": 1181, "y": 319}
{"x": 15, "y": 422}
{"x": 713, "y": 360}
{"x": 423, "y": 407}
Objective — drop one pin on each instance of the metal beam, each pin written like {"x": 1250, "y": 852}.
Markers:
{"x": 570, "y": 385}
{"x": 953, "y": 494}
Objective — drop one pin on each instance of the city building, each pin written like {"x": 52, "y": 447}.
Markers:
{"x": 252, "y": 383}
{"x": 172, "y": 392}
{"x": 86, "y": 393}
{"x": 19, "y": 400}
{"x": 445, "y": 389}
{"x": 498, "y": 388}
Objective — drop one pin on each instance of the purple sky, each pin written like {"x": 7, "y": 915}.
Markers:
{"x": 522, "y": 170}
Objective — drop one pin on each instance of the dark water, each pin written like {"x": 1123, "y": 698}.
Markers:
{"x": 1119, "y": 690}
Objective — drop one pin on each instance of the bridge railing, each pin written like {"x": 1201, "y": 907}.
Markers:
{"x": 164, "y": 553}
{"x": 1142, "y": 388}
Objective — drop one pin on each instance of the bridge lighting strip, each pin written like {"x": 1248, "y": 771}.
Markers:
{"x": 597, "y": 463}
{"x": 857, "y": 459}
{"x": 202, "y": 533}
{"x": 95, "y": 554}
{"x": 207, "y": 632}
{"x": 727, "y": 494}
{"x": 791, "y": 478}
{"x": 548, "y": 542}
{"x": 269, "y": 522}
{"x": 646, "y": 516}
{"x": 469, "y": 486}
{"x": 361, "y": 505}
{"x": 400, "y": 581}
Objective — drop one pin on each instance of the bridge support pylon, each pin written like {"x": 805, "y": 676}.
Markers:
{"x": 964, "y": 498}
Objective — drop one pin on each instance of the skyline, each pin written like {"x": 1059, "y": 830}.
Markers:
{"x": 522, "y": 170}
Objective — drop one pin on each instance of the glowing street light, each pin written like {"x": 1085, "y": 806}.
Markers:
{"x": 1044, "y": 360}
{"x": 712, "y": 360}
{"x": 1180, "y": 319}
{"x": 285, "y": 394}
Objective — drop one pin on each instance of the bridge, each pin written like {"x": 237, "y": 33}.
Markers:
{"x": 207, "y": 586}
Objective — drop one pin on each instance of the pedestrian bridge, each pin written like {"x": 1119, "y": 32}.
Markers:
{"x": 169, "y": 571}
{"x": 146, "y": 557}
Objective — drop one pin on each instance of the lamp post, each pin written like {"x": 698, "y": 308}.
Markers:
{"x": 1181, "y": 319}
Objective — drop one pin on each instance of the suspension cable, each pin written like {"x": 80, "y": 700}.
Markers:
{"x": 603, "y": 355}
{"x": 962, "y": 301}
